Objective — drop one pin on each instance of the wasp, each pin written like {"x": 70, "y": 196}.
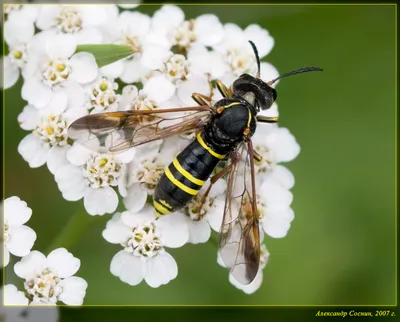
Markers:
{"x": 223, "y": 136}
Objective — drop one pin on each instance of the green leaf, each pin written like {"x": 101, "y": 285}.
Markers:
{"x": 106, "y": 54}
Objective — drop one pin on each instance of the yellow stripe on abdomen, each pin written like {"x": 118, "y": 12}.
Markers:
{"x": 179, "y": 184}
{"x": 206, "y": 147}
{"x": 187, "y": 174}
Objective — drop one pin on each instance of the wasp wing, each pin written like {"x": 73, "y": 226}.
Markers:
{"x": 240, "y": 236}
{"x": 119, "y": 131}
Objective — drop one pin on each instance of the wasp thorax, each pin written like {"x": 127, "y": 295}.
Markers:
{"x": 53, "y": 130}
{"x": 102, "y": 170}
{"x": 144, "y": 241}
{"x": 56, "y": 71}
{"x": 69, "y": 20}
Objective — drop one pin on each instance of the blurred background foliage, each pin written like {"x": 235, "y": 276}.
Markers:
{"x": 341, "y": 246}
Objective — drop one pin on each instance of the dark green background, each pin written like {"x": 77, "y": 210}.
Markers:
{"x": 341, "y": 246}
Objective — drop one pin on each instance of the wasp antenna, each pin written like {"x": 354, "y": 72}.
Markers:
{"x": 257, "y": 58}
{"x": 298, "y": 71}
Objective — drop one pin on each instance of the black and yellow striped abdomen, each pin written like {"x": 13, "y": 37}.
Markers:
{"x": 185, "y": 176}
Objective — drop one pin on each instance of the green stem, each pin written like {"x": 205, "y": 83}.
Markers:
{"x": 73, "y": 231}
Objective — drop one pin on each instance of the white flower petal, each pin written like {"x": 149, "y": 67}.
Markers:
{"x": 159, "y": 89}
{"x": 6, "y": 256}
{"x": 74, "y": 290}
{"x": 268, "y": 72}
{"x": 29, "y": 118}
{"x": 57, "y": 104}
{"x": 167, "y": 17}
{"x": 78, "y": 154}
{"x": 21, "y": 240}
{"x": 208, "y": 29}
{"x": 17, "y": 31}
{"x": 160, "y": 270}
{"x": 116, "y": 232}
{"x": 173, "y": 230}
{"x": 100, "y": 201}
{"x": 249, "y": 288}
{"x": 128, "y": 268}
{"x": 63, "y": 262}
{"x": 261, "y": 38}
{"x": 30, "y": 265}
{"x": 284, "y": 144}
{"x": 84, "y": 68}
{"x": 11, "y": 73}
{"x": 75, "y": 93}
{"x": 282, "y": 175}
{"x": 133, "y": 70}
{"x": 199, "y": 231}
{"x": 47, "y": 17}
{"x": 61, "y": 46}
{"x": 57, "y": 157}
{"x": 196, "y": 84}
{"x": 36, "y": 93}
{"x": 88, "y": 36}
{"x": 136, "y": 198}
{"x": 154, "y": 56}
{"x": 113, "y": 70}
{"x": 13, "y": 297}
{"x": 33, "y": 150}
{"x": 16, "y": 212}
{"x": 132, "y": 219}
{"x": 278, "y": 224}
{"x": 71, "y": 182}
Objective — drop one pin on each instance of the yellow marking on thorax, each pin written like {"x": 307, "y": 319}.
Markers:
{"x": 206, "y": 147}
{"x": 179, "y": 184}
{"x": 187, "y": 174}
{"x": 232, "y": 104}
{"x": 160, "y": 208}
{"x": 249, "y": 120}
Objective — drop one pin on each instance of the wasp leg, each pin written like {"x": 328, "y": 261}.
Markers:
{"x": 257, "y": 156}
{"x": 214, "y": 179}
{"x": 267, "y": 119}
{"x": 201, "y": 99}
{"x": 225, "y": 91}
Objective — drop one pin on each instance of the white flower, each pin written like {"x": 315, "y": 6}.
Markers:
{"x": 256, "y": 283}
{"x": 18, "y": 238}
{"x": 275, "y": 144}
{"x": 174, "y": 69}
{"x": 144, "y": 173}
{"x": 210, "y": 214}
{"x": 16, "y": 309}
{"x": 17, "y": 35}
{"x": 48, "y": 142}
{"x": 21, "y": 12}
{"x": 91, "y": 176}
{"x": 273, "y": 205}
{"x": 131, "y": 29}
{"x": 102, "y": 95}
{"x": 168, "y": 24}
{"x": 83, "y": 21}
{"x": 134, "y": 99}
{"x": 143, "y": 238}
{"x": 55, "y": 68}
{"x": 13, "y": 297}
{"x": 50, "y": 279}
{"x": 135, "y": 4}
{"x": 238, "y": 54}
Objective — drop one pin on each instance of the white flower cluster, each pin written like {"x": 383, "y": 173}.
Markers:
{"x": 47, "y": 280}
{"x": 174, "y": 57}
